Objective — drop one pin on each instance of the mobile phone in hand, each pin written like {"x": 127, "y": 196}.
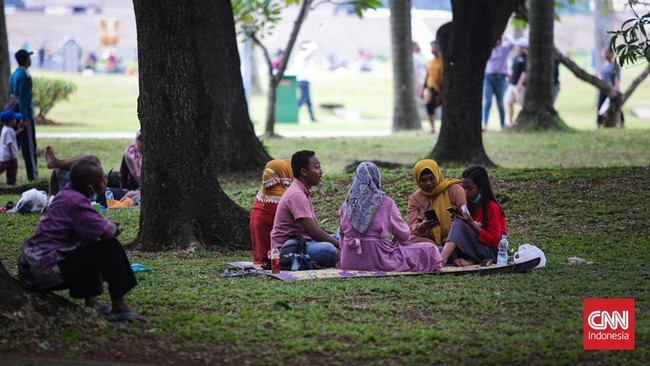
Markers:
{"x": 431, "y": 216}
{"x": 454, "y": 211}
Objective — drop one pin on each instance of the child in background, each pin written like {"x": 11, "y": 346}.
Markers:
{"x": 475, "y": 238}
{"x": 9, "y": 148}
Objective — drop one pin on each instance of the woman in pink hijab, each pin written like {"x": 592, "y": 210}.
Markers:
{"x": 131, "y": 168}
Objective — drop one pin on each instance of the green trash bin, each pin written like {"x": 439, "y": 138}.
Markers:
{"x": 286, "y": 104}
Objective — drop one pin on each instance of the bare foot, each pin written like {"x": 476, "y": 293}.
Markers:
{"x": 50, "y": 159}
{"x": 462, "y": 262}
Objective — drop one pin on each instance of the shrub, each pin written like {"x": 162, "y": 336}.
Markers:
{"x": 48, "y": 92}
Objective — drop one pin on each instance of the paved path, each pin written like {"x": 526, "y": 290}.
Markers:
{"x": 290, "y": 134}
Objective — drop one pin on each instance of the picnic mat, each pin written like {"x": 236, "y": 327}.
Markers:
{"x": 343, "y": 273}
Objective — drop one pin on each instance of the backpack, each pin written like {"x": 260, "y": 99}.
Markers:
{"x": 292, "y": 257}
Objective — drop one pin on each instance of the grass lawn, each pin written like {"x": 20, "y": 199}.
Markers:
{"x": 583, "y": 194}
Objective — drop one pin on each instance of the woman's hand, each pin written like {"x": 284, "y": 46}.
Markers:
{"x": 427, "y": 225}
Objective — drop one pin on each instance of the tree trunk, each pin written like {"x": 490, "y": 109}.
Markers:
{"x": 405, "y": 109}
{"x": 538, "y": 112}
{"x": 465, "y": 44}
{"x": 31, "y": 314}
{"x": 225, "y": 121}
{"x": 5, "y": 65}
{"x": 256, "y": 81}
{"x": 603, "y": 20}
{"x": 269, "y": 130}
{"x": 193, "y": 114}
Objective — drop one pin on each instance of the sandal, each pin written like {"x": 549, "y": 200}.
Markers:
{"x": 239, "y": 272}
{"x": 126, "y": 316}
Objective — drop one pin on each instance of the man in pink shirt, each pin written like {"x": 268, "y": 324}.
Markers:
{"x": 295, "y": 217}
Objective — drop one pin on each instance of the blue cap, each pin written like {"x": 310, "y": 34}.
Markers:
{"x": 8, "y": 115}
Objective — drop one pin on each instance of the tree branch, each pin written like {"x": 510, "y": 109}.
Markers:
{"x": 635, "y": 83}
{"x": 304, "y": 10}
{"x": 265, "y": 51}
{"x": 583, "y": 75}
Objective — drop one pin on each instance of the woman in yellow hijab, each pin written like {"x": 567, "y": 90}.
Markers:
{"x": 277, "y": 176}
{"x": 434, "y": 193}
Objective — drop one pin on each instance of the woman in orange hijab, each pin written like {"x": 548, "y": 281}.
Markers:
{"x": 277, "y": 176}
{"x": 434, "y": 193}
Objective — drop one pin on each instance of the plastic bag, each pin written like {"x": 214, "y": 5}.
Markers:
{"x": 604, "y": 107}
{"x": 31, "y": 201}
{"x": 527, "y": 252}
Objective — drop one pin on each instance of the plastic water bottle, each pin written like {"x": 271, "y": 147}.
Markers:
{"x": 275, "y": 260}
{"x": 502, "y": 257}
{"x": 109, "y": 194}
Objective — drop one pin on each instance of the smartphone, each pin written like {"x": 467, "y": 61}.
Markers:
{"x": 431, "y": 215}
{"x": 454, "y": 210}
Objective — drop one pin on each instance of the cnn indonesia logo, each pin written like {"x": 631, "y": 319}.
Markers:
{"x": 608, "y": 324}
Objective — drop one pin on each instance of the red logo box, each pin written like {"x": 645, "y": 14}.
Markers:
{"x": 608, "y": 324}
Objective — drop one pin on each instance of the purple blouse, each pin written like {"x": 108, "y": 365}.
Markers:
{"x": 68, "y": 223}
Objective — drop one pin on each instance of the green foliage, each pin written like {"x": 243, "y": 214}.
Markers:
{"x": 48, "y": 92}
{"x": 256, "y": 17}
{"x": 631, "y": 42}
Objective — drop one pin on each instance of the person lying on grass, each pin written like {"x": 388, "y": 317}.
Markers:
{"x": 474, "y": 238}
{"x": 61, "y": 176}
{"x": 367, "y": 217}
{"x": 435, "y": 193}
{"x": 295, "y": 219}
{"x": 75, "y": 248}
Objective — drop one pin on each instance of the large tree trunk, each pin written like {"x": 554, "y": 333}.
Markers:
{"x": 538, "y": 112}
{"x": 193, "y": 112}
{"x": 405, "y": 109}
{"x": 465, "y": 44}
{"x": 35, "y": 314}
{"x": 229, "y": 130}
{"x": 5, "y": 66}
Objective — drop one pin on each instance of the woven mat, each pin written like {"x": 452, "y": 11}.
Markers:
{"x": 342, "y": 273}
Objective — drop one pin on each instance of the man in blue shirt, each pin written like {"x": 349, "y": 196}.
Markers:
{"x": 21, "y": 86}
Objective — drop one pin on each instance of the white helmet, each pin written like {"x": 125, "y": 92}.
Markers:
{"x": 527, "y": 252}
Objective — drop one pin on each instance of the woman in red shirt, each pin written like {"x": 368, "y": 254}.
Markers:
{"x": 474, "y": 238}
{"x": 276, "y": 178}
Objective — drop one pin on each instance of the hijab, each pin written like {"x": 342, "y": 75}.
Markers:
{"x": 439, "y": 197}
{"x": 364, "y": 196}
{"x": 133, "y": 159}
{"x": 276, "y": 178}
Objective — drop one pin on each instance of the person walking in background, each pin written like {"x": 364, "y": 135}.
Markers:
{"x": 494, "y": 83}
{"x": 610, "y": 72}
{"x": 303, "y": 64}
{"x": 516, "y": 89}
{"x": 432, "y": 89}
{"x": 21, "y": 86}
